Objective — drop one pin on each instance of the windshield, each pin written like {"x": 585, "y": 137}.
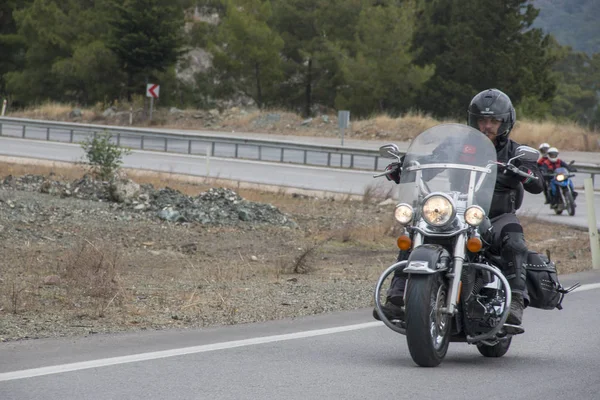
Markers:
{"x": 451, "y": 158}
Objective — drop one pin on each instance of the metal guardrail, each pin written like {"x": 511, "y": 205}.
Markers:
{"x": 203, "y": 144}
{"x": 195, "y": 143}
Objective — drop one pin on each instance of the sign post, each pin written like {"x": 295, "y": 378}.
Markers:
{"x": 152, "y": 90}
{"x": 3, "y": 107}
{"x": 343, "y": 122}
{"x": 588, "y": 185}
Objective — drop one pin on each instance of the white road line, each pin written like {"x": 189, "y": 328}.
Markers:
{"x": 590, "y": 286}
{"x": 104, "y": 362}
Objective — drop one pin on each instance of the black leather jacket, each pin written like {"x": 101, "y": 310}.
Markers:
{"x": 510, "y": 189}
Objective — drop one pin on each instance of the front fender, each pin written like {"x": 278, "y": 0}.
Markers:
{"x": 428, "y": 259}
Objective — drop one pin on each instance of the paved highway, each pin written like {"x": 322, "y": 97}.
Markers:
{"x": 337, "y": 356}
{"x": 317, "y": 178}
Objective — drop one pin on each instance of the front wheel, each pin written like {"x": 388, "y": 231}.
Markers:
{"x": 570, "y": 202}
{"x": 498, "y": 350}
{"x": 427, "y": 327}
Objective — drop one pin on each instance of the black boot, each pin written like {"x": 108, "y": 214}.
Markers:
{"x": 515, "y": 316}
{"x": 392, "y": 309}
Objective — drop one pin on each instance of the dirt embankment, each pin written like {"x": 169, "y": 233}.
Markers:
{"x": 82, "y": 256}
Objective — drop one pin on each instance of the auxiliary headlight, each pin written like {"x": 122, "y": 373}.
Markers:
{"x": 474, "y": 215}
{"x": 560, "y": 177}
{"x": 403, "y": 213}
{"x": 438, "y": 210}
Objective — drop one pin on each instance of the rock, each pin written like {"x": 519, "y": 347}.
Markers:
{"x": 124, "y": 190}
{"x": 109, "y": 112}
{"x": 273, "y": 117}
{"x": 169, "y": 214}
{"x": 253, "y": 258}
{"x": 387, "y": 202}
{"x": 175, "y": 110}
{"x": 52, "y": 280}
{"x": 325, "y": 118}
{"x": 306, "y": 122}
{"x": 244, "y": 215}
{"x": 75, "y": 113}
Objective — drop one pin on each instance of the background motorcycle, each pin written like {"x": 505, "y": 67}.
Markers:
{"x": 565, "y": 198}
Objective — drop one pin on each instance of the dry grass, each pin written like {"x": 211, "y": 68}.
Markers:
{"x": 51, "y": 111}
{"x": 564, "y": 136}
{"x": 402, "y": 128}
{"x": 92, "y": 272}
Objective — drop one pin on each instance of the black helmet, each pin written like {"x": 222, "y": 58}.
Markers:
{"x": 496, "y": 104}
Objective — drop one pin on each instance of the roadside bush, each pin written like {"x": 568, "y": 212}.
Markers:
{"x": 103, "y": 156}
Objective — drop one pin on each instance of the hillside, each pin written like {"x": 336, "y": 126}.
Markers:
{"x": 571, "y": 22}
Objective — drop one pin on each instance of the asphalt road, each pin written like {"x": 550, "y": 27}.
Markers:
{"x": 279, "y": 174}
{"x": 266, "y": 153}
{"x": 336, "y": 356}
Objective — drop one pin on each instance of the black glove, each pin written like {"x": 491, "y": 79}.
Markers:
{"x": 393, "y": 172}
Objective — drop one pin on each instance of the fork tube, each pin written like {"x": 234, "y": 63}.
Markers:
{"x": 459, "y": 259}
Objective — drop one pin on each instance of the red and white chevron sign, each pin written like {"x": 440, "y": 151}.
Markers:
{"x": 152, "y": 90}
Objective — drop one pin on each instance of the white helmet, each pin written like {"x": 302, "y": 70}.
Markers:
{"x": 553, "y": 154}
{"x": 544, "y": 148}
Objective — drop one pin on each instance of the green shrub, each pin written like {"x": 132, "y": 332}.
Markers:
{"x": 103, "y": 156}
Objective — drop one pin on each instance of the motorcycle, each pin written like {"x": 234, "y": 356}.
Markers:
{"x": 561, "y": 179}
{"x": 455, "y": 291}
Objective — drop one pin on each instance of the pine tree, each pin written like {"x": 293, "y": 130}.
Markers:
{"x": 479, "y": 44}
{"x": 147, "y": 37}
{"x": 247, "y": 52}
{"x": 380, "y": 77}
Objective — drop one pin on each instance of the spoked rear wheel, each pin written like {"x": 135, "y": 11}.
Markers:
{"x": 427, "y": 327}
{"x": 497, "y": 350}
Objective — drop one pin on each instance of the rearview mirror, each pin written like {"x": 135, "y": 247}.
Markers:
{"x": 526, "y": 153}
{"x": 389, "y": 151}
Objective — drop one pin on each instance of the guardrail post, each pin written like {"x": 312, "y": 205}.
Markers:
{"x": 305, "y": 156}
{"x": 48, "y": 133}
{"x": 236, "y": 150}
{"x": 166, "y": 144}
{"x": 376, "y": 163}
{"x": 281, "y": 158}
{"x": 592, "y": 227}
{"x": 212, "y": 149}
{"x": 190, "y": 147}
{"x": 351, "y": 160}
{"x": 0, "y": 129}
{"x": 118, "y": 138}
{"x": 329, "y": 159}
{"x": 260, "y": 152}
{"x": 142, "y": 142}
{"x": 23, "y": 131}
{"x": 71, "y": 137}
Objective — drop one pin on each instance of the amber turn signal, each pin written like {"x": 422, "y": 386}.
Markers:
{"x": 474, "y": 245}
{"x": 404, "y": 242}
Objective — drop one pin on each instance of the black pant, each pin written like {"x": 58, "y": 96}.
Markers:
{"x": 508, "y": 242}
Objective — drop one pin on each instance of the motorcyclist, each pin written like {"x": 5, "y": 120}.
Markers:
{"x": 543, "y": 152}
{"x": 549, "y": 165}
{"x": 544, "y": 147}
{"x": 492, "y": 113}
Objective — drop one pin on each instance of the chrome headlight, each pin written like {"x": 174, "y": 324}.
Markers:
{"x": 560, "y": 177}
{"x": 438, "y": 210}
{"x": 474, "y": 215}
{"x": 403, "y": 213}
